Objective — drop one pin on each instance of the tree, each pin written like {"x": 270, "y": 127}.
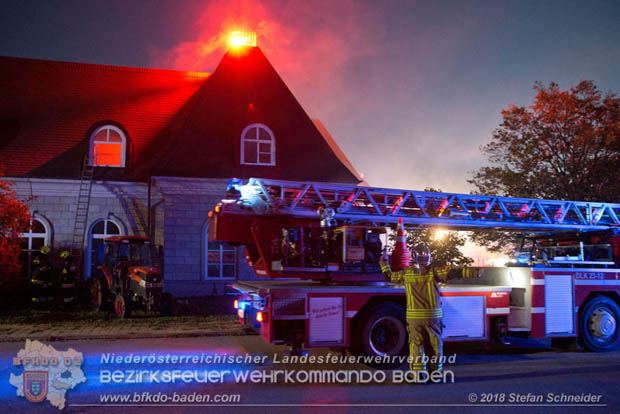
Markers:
{"x": 445, "y": 246}
{"x": 14, "y": 219}
{"x": 565, "y": 146}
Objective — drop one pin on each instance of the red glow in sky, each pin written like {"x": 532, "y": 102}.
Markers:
{"x": 409, "y": 89}
{"x": 308, "y": 47}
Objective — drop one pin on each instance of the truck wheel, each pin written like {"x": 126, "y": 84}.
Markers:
{"x": 598, "y": 324}
{"x": 383, "y": 333}
{"x": 98, "y": 294}
{"x": 122, "y": 306}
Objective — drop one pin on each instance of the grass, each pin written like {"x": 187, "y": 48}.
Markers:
{"x": 191, "y": 314}
{"x": 77, "y": 318}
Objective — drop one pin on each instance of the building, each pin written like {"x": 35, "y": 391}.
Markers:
{"x": 162, "y": 145}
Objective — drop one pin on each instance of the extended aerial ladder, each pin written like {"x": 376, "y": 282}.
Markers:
{"x": 353, "y": 204}
{"x": 350, "y": 205}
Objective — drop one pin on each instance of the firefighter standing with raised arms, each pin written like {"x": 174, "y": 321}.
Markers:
{"x": 424, "y": 310}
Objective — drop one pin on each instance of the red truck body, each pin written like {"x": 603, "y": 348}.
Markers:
{"x": 323, "y": 286}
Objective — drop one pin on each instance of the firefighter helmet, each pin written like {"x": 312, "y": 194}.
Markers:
{"x": 422, "y": 254}
{"x": 45, "y": 250}
{"x": 64, "y": 254}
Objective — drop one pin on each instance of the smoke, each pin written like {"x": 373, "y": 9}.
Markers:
{"x": 311, "y": 44}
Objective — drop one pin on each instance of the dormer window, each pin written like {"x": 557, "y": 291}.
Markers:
{"x": 108, "y": 146}
{"x": 258, "y": 147}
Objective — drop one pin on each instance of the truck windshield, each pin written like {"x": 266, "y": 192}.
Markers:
{"x": 139, "y": 253}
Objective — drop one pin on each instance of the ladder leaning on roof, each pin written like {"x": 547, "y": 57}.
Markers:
{"x": 81, "y": 214}
{"x": 384, "y": 206}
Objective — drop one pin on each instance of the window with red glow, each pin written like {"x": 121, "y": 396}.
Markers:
{"x": 258, "y": 146}
{"x": 108, "y": 147}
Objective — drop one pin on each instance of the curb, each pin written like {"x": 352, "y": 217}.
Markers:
{"x": 124, "y": 336}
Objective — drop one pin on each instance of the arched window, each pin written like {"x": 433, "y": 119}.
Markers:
{"x": 97, "y": 233}
{"x": 258, "y": 147}
{"x": 220, "y": 259}
{"x": 108, "y": 146}
{"x": 38, "y": 235}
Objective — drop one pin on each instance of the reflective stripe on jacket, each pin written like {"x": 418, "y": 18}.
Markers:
{"x": 423, "y": 301}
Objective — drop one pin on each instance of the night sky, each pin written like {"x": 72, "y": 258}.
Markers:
{"x": 409, "y": 89}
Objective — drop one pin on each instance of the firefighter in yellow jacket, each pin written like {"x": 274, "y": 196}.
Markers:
{"x": 41, "y": 280}
{"x": 424, "y": 311}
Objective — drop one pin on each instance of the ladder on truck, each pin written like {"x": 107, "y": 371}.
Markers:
{"x": 354, "y": 204}
{"x": 81, "y": 214}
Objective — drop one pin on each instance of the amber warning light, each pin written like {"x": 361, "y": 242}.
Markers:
{"x": 242, "y": 38}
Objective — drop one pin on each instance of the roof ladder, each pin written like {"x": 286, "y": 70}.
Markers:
{"x": 81, "y": 213}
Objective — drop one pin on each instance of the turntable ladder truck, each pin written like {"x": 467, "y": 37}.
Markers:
{"x": 317, "y": 246}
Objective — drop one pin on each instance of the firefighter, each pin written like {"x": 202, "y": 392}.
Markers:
{"x": 67, "y": 278}
{"x": 424, "y": 311}
{"x": 41, "y": 277}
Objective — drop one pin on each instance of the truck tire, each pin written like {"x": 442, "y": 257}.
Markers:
{"x": 98, "y": 294}
{"x": 598, "y": 324}
{"x": 122, "y": 306}
{"x": 382, "y": 332}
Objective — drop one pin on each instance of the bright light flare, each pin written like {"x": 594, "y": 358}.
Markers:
{"x": 441, "y": 234}
{"x": 240, "y": 38}
{"x": 498, "y": 261}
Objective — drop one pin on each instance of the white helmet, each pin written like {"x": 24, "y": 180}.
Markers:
{"x": 421, "y": 254}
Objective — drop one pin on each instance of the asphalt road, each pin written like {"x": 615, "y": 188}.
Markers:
{"x": 524, "y": 377}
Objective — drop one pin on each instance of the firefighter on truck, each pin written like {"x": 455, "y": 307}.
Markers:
{"x": 424, "y": 309}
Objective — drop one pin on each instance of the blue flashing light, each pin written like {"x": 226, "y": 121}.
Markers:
{"x": 234, "y": 187}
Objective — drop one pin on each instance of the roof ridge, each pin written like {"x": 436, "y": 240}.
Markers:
{"x": 333, "y": 145}
{"x": 102, "y": 67}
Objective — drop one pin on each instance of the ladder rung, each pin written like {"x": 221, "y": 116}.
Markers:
{"x": 386, "y": 206}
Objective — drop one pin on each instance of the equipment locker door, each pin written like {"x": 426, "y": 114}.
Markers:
{"x": 464, "y": 317}
{"x": 326, "y": 321}
{"x": 559, "y": 305}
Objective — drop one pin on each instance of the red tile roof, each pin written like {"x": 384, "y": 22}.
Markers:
{"x": 178, "y": 123}
{"x": 336, "y": 148}
{"x": 47, "y": 109}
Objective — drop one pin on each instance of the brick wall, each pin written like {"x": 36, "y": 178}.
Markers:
{"x": 187, "y": 202}
{"x": 179, "y": 215}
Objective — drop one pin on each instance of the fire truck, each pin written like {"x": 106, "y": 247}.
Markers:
{"x": 317, "y": 246}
